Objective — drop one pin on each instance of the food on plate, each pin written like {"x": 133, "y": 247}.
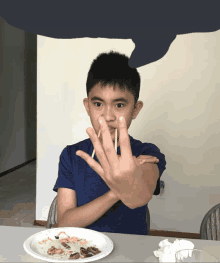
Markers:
{"x": 74, "y": 256}
{"x": 68, "y": 247}
{"x": 93, "y": 250}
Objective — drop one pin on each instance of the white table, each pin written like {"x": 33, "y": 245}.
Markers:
{"x": 127, "y": 248}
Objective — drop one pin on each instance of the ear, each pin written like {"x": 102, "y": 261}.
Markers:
{"x": 86, "y": 104}
{"x": 137, "y": 108}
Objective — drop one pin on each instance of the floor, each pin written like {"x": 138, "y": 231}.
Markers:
{"x": 18, "y": 197}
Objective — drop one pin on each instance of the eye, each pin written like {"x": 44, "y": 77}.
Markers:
{"x": 121, "y": 104}
{"x": 96, "y": 102}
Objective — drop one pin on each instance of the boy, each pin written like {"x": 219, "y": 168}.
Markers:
{"x": 85, "y": 198}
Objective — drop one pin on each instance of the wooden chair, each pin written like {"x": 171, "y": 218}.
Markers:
{"x": 210, "y": 226}
{"x": 52, "y": 216}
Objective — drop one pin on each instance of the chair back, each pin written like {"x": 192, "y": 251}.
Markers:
{"x": 210, "y": 226}
{"x": 52, "y": 216}
{"x": 148, "y": 221}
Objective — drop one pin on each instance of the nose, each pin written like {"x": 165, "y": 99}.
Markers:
{"x": 109, "y": 115}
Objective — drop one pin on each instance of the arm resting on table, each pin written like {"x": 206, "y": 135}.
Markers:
{"x": 86, "y": 214}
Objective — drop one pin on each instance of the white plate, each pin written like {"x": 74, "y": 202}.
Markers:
{"x": 101, "y": 241}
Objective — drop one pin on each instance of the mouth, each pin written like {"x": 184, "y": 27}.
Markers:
{"x": 112, "y": 130}
{"x": 112, "y": 133}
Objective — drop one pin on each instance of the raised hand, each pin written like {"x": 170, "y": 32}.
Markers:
{"x": 121, "y": 173}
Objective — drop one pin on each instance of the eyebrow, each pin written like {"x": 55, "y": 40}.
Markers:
{"x": 119, "y": 99}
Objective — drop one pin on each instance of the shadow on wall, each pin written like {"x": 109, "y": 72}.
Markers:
{"x": 30, "y": 96}
{"x": 18, "y": 89}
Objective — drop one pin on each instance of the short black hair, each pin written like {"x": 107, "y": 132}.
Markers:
{"x": 113, "y": 69}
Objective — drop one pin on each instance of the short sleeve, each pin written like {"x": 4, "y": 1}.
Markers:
{"x": 65, "y": 176}
{"x": 153, "y": 150}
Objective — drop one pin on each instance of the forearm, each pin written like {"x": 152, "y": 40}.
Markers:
{"x": 87, "y": 214}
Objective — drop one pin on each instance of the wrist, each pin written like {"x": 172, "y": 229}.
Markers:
{"x": 113, "y": 196}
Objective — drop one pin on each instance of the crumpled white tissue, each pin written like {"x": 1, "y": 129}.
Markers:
{"x": 167, "y": 250}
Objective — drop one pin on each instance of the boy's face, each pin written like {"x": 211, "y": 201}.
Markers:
{"x": 101, "y": 102}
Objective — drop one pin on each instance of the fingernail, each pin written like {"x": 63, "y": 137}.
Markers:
{"x": 121, "y": 118}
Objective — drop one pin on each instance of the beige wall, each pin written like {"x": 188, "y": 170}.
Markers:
{"x": 180, "y": 115}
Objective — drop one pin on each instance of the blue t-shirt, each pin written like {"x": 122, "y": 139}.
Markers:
{"x": 74, "y": 173}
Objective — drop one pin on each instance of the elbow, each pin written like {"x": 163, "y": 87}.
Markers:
{"x": 131, "y": 206}
{"x": 60, "y": 224}
{"x": 146, "y": 201}
{"x": 140, "y": 203}
{"x": 64, "y": 225}
{"x": 136, "y": 205}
